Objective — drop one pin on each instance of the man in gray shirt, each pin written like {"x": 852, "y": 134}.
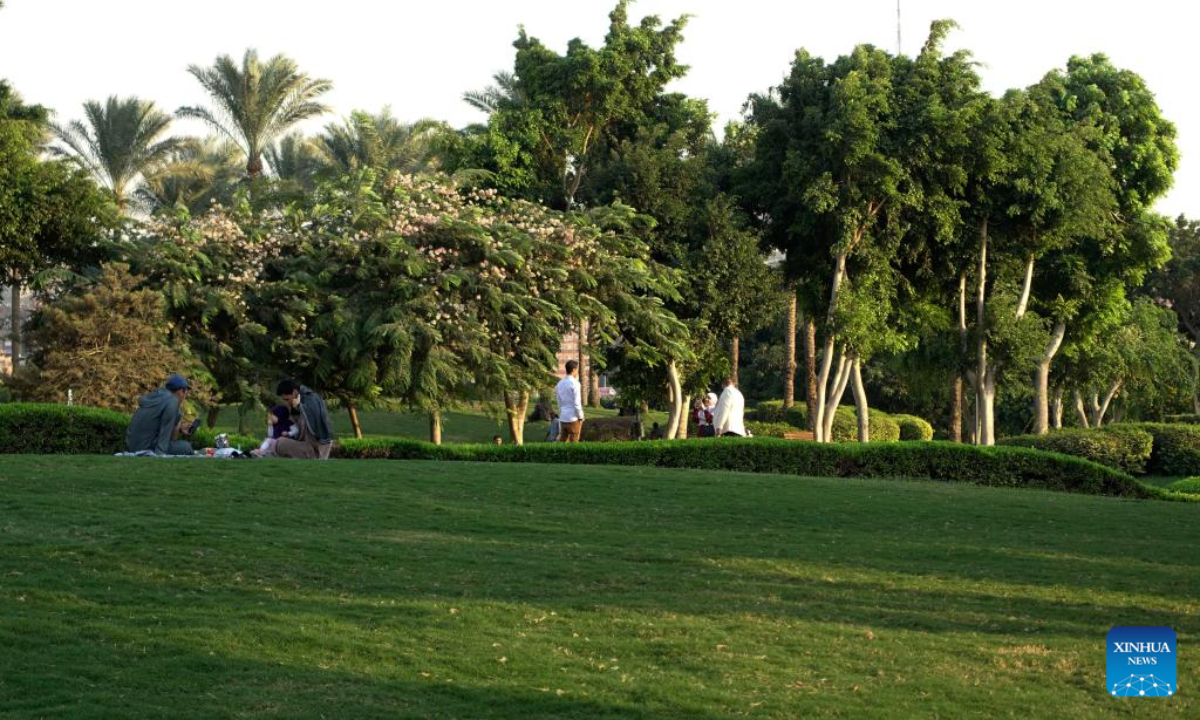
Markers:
{"x": 157, "y": 424}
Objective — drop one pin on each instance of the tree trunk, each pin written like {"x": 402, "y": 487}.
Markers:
{"x": 593, "y": 395}
{"x": 988, "y": 429}
{"x": 1100, "y": 408}
{"x": 735, "y": 348}
{"x": 1026, "y": 287}
{"x": 675, "y": 391}
{"x": 583, "y": 385}
{"x": 860, "y": 403}
{"x": 789, "y": 370}
{"x": 824, "y": 423}
{"x": 810, "y": 372}
{"x": 956, "y": 411}
{"x": 1041, "y": 402}
{"x": 243, "y": 427}
{"x": 214, "y": 414}
{"x": 1082, "y": 410}
{"x": 983, "y": 407}
{"x": 1058, "y": 408}
{"x": 510, "y": 411}
{"x": 354, "y": 424}
{"x": 254, "y": 167}
{"x": 15, "y": 336}
{"x": 840, "y": 381}
{"x": 435, "y": 427}
{"x": 682, "y": 432}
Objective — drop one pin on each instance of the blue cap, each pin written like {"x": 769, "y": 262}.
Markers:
{"x": 177, "y": 382}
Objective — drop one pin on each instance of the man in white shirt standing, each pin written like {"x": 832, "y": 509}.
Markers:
{"x": 729, "y": 417}
{"x": 570, "y": 405}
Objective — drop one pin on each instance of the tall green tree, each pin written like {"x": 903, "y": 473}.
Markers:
{"x": 256, "y": 102}
{"x": 119, "y": 142}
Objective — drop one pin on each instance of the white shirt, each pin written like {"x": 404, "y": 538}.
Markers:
{"x": 730, "y": 413}
{"x": 570, "y": 402}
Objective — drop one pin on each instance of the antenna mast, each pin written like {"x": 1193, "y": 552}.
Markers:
{"x": 898, "y": 45}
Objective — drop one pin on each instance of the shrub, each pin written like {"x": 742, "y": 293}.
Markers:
{"x": 1124, "y": 448}
{"x": 883, "y": 427}
{"x": 1190, "y": 485}
{"x": 1176, "y": 448}
{"x": 1189, "y": 419}
{"x": 994, "y": 466}
{"x": 913, "y": 427}
{"x": 48, "y": 429}
{"x": 770, "y": 411}
{"x": 769, "y": 429}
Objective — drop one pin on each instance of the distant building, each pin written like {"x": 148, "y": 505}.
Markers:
{"x": 28, "y": 305}
{"x": 569, "y": 350}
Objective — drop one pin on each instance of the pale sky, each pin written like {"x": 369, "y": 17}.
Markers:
{"x": 419, "y": 57}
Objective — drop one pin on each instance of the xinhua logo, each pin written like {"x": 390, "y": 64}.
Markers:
{"x": 1141, "y": 662}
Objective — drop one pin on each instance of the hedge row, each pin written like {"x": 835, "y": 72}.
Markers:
{"x": 1176, "y": 448}
{"x": 1189, "y": 419}
{"x": 47, "y": 429}
{"x": 1124, "y": 448}
{"x": 1188, "y": 485}
{"x": 996, "y": 466}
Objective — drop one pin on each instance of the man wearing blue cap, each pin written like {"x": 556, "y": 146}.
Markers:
{"x": 157, "y": 424}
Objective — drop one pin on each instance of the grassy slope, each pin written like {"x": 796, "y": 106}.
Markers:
{"x": 197, "y": 588}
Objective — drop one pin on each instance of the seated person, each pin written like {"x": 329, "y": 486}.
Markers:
{"x": 279, "y": 425}
{"x": 312, "y": 437}
{"x": 157, "y": 424}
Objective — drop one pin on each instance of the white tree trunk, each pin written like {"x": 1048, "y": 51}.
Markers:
{"x": 836, "y": 392}
{"x": 682, "y": 432}
{"x": 1026, "y": 287}
{"x": 675, "y": 391}
{"x": 1101, "y": 407}
{"x": 860, "y": 403}
{"x": 1082, "y": 409}
{"x": 1058, "y": 408}
{"x": 824, "y": 418}
{"x": 1041, "y": 403}
{"x": 983, "y": 408}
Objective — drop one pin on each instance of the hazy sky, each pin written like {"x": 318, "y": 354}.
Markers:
{"x": 419, "y": 57}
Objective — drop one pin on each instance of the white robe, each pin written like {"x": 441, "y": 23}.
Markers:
{"x": 729, "y": 417}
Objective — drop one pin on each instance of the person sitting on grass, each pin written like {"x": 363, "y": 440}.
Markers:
{"x": 157, "y": 425}
{"x": 553, "y": 428}
{"x": 497, "y": 440}
{"x": 279, "y": 425}
{"x": 313, "y": 435}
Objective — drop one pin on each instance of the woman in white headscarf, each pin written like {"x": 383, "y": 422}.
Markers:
{"x": 704, "y": 415}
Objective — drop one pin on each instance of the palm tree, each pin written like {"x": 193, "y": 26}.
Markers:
{"x": 505, "y": 91}
{"x": 256, "y": 103}
{"x": 294, "y": 159}
{"x": 196, "y": 176}
{"x": 118, "y": 142}
{"x": 379, "y": 141}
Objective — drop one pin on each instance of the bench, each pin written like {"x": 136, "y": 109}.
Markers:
{"x": 798, "y": 435}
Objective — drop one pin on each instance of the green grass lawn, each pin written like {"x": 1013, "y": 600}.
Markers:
{"x": 458, "y": 427}
{"x": 194, "y": 588}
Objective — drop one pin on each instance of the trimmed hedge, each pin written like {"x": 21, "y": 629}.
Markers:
{"x": 1188, "y": 485}
{"x": 1189, "y": 419}
{"x": 1176, "y": 448}
{"x": 913, "y": 428}
{"x": 48, "y": 429}
{"x": 1123, "y": 448}
{"x": 948, "y": 462}
{"x": 768, "y": 429}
